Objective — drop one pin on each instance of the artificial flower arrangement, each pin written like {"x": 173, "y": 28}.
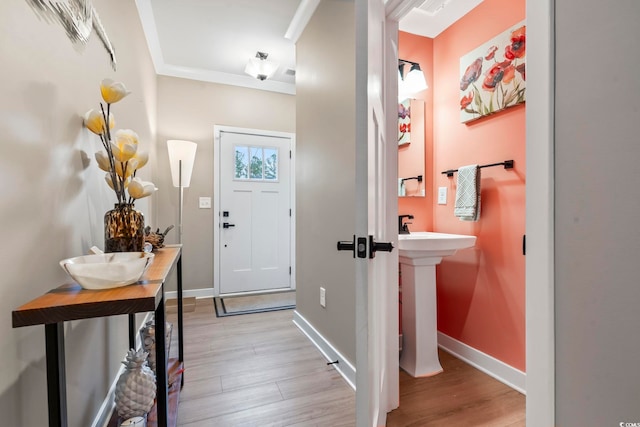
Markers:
{"x": 121, "y": 158}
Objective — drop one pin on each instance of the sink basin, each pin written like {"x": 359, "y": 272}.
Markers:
{"x": 423, "y": 244}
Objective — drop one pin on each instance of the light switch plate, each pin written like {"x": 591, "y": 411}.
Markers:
{"x": 205, "y": 203}
{"x": 442, "y": 195}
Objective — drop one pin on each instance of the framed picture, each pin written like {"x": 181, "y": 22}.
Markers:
{"x": 404, "y": 122}
{"x": 492, "y": 76}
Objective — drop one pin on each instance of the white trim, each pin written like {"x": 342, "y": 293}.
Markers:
{"x": 103, "y": 416}
{"x": 344, "y": 367}
{"x": 491, "y": 366}
{"x": 225, "y": 78}
{"x": 217, "y": 129}
{"x": 540, "y": 319}
{"x": 301, "y": 19}
{"x": 148, "y": 22}
{"x": 190, "y": 293}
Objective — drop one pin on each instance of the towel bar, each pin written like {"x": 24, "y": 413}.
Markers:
{"x": 508, "y": 164}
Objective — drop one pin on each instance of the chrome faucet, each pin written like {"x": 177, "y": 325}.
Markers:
{"x": 403, "y": 227}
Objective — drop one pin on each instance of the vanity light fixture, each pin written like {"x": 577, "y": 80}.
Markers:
{"x": 412, "y": 82}
{"x": 260, "y": 67}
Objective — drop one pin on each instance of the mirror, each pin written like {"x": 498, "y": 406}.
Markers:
{"x": 411, "y": 161}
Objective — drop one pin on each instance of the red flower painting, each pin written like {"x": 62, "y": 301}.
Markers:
{"x": 404, "y": 122}
{"x": 492, "y": 77}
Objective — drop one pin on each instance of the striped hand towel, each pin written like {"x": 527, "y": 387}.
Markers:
{"x": 467, "y": 206}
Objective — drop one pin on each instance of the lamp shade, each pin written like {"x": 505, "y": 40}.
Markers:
{"x": 185, "y": 151}
{"x": 415, "y": 81}
{"x": 411, "y": 83}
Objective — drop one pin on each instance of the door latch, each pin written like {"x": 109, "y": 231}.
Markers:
{"x": 227, "y": 225}
{"x": 358, "y": 246}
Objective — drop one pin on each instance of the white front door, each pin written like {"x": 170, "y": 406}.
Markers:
{"x": 254, "y": 211}
{"x": 376, "y": 206}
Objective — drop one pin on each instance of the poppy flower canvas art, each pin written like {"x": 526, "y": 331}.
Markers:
{"x": 404, "y": 122}
{"x": 492, "y": 76}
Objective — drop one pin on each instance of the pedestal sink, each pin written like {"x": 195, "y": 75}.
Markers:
{"x": 419, "y": 253}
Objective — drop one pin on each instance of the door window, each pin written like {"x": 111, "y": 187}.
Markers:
{"x": 256, "y": 163}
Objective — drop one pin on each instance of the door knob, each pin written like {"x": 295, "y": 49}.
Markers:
{"x": 227, "y": 225}
{"x": 378, "y": 246}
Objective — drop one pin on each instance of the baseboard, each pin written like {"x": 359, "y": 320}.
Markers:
{"x": 198, "y": 293}
{"x": 103, "y": 416}
{"x": 499, "y": 370}
{"x": 346, "y": 369}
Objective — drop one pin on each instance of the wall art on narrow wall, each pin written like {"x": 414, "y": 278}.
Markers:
{"x": 404, "y": 122}
{"x": 78, "y": 18}
{"x": 492, "y": 76}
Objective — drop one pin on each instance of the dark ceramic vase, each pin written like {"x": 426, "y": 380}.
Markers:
{"x": 123, "y": 229}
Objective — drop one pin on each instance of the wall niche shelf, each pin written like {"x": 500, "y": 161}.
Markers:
{"x": 71, "y": 302}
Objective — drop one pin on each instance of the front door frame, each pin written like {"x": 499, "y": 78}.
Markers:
{"x": 217, "y": 129}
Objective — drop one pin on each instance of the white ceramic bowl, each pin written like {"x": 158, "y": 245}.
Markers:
{"x": 106, "y": 271}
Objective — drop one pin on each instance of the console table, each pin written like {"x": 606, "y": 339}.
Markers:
{"x": 71, "y": 302}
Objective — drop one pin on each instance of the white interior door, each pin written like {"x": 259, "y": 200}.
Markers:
{"x": 255, "y": 216}
{"x": 376, "y": 207}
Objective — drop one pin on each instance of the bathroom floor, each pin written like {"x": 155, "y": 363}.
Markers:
{"x": 459, "y": 396}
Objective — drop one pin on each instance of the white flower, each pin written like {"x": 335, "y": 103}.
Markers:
{"x": 142, "y": 157}
{"x": 94, "y": 121}
{"x": 125, "y": 145}
{"x": 131, "y": 166}
{"x": 112, "y": 91}
{"x": 103, "y": 161}
{"x": 139, "y": 188}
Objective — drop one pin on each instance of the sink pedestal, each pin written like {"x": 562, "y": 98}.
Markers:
{"x": 419, "y": 254}
{"x": 419, "y": 316}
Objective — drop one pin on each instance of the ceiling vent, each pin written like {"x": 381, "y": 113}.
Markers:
{"x": 432, "y": 7}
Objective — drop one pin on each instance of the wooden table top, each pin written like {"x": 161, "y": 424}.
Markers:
{"x": 72, "y": 302}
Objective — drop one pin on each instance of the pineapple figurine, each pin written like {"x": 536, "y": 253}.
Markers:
{"x": 136, "y": 387}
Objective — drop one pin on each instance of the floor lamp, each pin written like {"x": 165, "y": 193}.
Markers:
{"x": 182, "y": 154}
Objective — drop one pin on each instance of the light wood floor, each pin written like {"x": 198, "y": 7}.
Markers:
{"x": 459, "y": 396}
{"x": 256, "y": 370}
{"x": 260, "y": 370}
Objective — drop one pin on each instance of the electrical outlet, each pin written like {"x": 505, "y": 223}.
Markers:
{"x": 323, "y": 297}
{"x": 442, "y": 195}
{"x": 205, "y": 203}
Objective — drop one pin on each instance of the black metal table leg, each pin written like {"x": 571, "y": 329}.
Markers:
{"x": 162, "y": 393}
{"x": 56, "y": 382}
{"x": 132, "y": 331}
{"x": 180, "y": 327}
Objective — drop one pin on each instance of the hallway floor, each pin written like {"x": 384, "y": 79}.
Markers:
{"x": 260, "y": 369}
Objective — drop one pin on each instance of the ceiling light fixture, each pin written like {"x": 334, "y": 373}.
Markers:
{"x": 261, "y": 68}
{"x": 411, "y": 83}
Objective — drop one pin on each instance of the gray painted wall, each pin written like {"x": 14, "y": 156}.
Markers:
{"x": 597, "y": 245}
{"x": 325, "y": 137}
{"x": 53, "y": 196}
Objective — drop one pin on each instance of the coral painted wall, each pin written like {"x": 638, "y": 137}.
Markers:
{"x": 419, "y": 49}
{"x": 481, "y": 291}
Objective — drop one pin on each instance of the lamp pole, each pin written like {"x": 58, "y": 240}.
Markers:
{"x": 180, "y": 200}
